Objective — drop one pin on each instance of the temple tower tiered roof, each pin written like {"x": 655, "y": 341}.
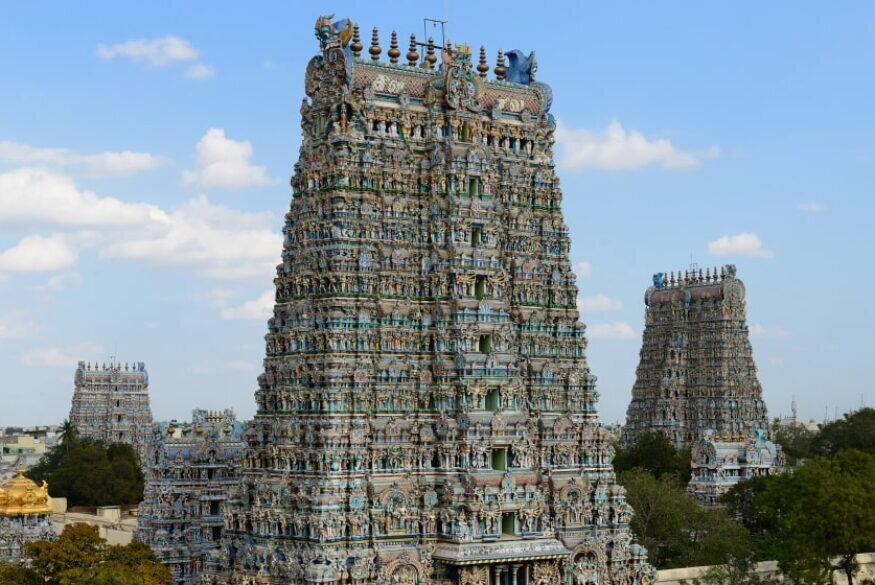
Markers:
{"x": 426, "y": 412}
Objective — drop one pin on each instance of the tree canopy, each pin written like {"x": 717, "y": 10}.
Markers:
{"x": 80, "y": 557}
{"x": 89, "y": 472}
{"x": 675, "y": 529}
{"x": 654, "y": 453}
{"x": 855, "y": 431}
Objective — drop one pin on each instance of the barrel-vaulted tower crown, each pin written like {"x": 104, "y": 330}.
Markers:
{"x": 426, "y": 413}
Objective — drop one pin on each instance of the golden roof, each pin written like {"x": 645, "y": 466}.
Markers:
{"x": 22, "y": 497}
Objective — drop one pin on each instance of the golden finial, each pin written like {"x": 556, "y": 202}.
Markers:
{"x": 375, "y": 49}
{"x": 412, "y": 53}
{"x": 430, "y": 57}
{"x": 483, "y": 66}
{"x": 356, "y": 45}
{"x": 393, "y": 52}
{"x": 500, "y": 70}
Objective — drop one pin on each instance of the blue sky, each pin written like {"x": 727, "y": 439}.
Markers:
{"x": 145, "y": 152}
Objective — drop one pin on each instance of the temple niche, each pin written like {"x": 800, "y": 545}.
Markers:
{"x": 426, "y": 413}
{"x": 696, "y": 380}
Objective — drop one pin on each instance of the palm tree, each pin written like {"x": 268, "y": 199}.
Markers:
{"x": 69, "y": 435}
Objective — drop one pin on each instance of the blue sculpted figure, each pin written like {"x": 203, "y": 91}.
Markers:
{"x": 521, "y": 69}
{"x": 334, "y": 34}
{"x": 659, "y": 279}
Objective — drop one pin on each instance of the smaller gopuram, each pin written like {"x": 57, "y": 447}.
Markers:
{"x": 697, "y": 381}
{"x": 192, "y": 468}
{"x": 111, "y": 404}
{"x": 25, "y": 516}
{"x": 719, "y": 463}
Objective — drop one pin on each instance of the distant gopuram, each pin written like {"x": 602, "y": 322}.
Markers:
{"x": 696, "y": 372}
{"x": 111, "y": 404}
{"x": 426, "y": 413}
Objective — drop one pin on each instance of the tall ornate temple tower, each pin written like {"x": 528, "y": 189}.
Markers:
{"x": 192, "y": 469}
{"x": 426, "y": 414}
{"x": 111, "y": 404}
{"x": 697, "y": 373}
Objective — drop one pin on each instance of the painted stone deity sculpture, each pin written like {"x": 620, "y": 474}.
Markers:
{"x": 426, "y": 413}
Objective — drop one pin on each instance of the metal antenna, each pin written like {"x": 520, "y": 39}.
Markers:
{"x": 435, "y": 23}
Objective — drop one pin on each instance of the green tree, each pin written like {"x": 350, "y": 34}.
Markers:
{"x": 654, "y": 453}
{"x": 855, "y": 431}
{"x": 91, "y": 473}
{"x": 675, "y": 529}
{"x": 18, "y": 575}
{"x": 796, "y": 442}
{"x": 824, "y": 516}
{"x": 744, "y": 503}
{"x": 80, "y": 557}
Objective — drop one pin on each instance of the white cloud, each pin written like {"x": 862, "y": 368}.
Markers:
{"x": 812, "y": 207}
{"x": 618, "y": 149}
{"x": 743, "y": 244}
{"x": 615, "y": 330}
{"x": 104, "y": 164}
{"x": 155, "y": 52}
{"x": 59, "y": 282}
{"x": 259, "y": 309}
{"x": 37, "y": 253}
{"x": 757, "y": 330}
{"x": 211, "y": 240}
{"x": 223, "y": 163}
{"x": 16, "y": 325}
{"x": 200, "y": 71}
{"x": 583, "y": 269}
{"x": 37, "y": 197}
{"x": 599, "y": 303}
{"x": 67, "y": 357}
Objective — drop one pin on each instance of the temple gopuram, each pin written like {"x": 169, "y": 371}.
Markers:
{"x": 697, "y": 381}
{"x": 192, "y": 469}
{"x": 426, "y": 413}
{"x": 25, "y": 516}
{"x": 111, "y": 404}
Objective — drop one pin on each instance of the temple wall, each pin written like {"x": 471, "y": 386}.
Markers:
{"x": 765, "y": 569}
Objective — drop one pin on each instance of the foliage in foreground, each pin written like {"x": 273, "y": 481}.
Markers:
{"x": 80, "y": 557}
{"x": 89, "y": 472}
{"x": 675, "y": 529}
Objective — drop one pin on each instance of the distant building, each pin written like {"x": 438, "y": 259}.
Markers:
{"x": 192, "y": 469}
{"x": 719, "y": 463}
{"x": 25, "y": 516}
{"x": 111, "y": 404}
{"x": 696, "y": 380}
{"x": 696, "y": 371}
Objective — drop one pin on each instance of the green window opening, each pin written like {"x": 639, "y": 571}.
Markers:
{"x": 493, "y": 399}
{"x": 499, "y": 459}
{"x": 480, "y": 287}
{"x": 473, "y": 187}
{"x": 508, "y": 523}
{"x": 476, "y": 236}
{"x": 485, "y": 344}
